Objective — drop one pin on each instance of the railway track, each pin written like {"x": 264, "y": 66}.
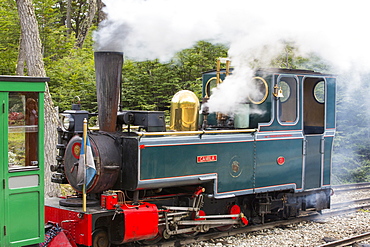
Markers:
{"x": 350, "y": 187}
{"x": 336, "y": 209}
{"x": 342, "y": 189}
{"x": 309, "y": 217}
{"x": 348, "y": 241}
{"x": 348, "y": 203}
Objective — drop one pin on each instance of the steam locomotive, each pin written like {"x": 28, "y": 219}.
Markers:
{"x": 272, "y": 159}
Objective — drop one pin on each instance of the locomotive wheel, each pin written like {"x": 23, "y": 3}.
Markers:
{"x": 189, "y": 234}
{"x": 224, "y": 228}
{"x": 192, "y": 234}
{"x": 151, "y": 241}
{"x": 235, "y": 209}
{"x": 100, "y": 238}
{"x": 154, "y": 240}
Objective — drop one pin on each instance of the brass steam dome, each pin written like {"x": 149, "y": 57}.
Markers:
{"x": 184, "y": 111}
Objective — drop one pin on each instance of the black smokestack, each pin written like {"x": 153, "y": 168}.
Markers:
{"x": 108, "y": 69}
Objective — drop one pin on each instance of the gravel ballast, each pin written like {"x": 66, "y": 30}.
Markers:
{"x": 306, "y": 233}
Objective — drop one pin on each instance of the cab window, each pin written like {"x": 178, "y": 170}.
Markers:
{"x": 314, "y": 105}
{"x": 288, "y": 102}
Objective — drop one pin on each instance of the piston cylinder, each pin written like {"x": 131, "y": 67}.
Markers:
{"x": 136, "y": 222}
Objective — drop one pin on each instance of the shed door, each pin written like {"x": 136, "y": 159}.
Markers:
{"x": 22, "y": 168}
{"x": 313, "y": 128}
{"x": 3, "y": 163}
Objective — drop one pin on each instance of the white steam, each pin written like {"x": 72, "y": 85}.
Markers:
{"x": 149, "y": 29}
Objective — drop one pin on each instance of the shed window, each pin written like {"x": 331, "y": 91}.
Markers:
{"x": 22, "y": 130}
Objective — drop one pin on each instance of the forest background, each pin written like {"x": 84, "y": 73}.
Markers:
{"x": 66, "y": 28}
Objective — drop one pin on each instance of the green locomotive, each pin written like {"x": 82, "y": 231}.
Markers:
{"x": 272, "y": 159}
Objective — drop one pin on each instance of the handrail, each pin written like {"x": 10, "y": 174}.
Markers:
{"x": 198, "y": 132}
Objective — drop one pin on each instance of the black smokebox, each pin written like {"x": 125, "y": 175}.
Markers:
{"x": 108, "y": 69}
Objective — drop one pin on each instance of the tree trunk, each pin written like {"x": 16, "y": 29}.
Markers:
{"x": 50, "y": 143}
{"x": 31, "y": 45}
{"x": 31, "y": 38}
{"x": 101, "y": 15}
{"x": 21, "y": 58}
{"x": 86, "y": 24}
{"x": 69, "y": 17}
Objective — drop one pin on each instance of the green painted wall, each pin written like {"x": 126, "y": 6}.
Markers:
{"x": 22, "y": 186}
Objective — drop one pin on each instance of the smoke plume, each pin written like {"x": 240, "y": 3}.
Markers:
{"x": 149, "y": 29}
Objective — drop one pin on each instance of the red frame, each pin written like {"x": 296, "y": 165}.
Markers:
{"x": 77, "y": 225}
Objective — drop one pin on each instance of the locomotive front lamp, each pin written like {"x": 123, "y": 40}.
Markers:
{"x": 72, "y": 120}
{"x": 68, "y": 121}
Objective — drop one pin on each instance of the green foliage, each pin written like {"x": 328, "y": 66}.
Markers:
{"x": 9, "y": 37}
{"x": 191, "y": 63}
{"x": 72, "y": 76}
{"x": 53, "y": 32}
{"x": 146, "y": 84}
{"x": 150, "y": 85}
{"x": 56, "y": 44}
{"x": 78, "y": 14}
{"x": 288, "y": 59}
{"x": 351, "y": 160}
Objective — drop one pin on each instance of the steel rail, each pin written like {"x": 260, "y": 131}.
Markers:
{"x": 213, "y": 235}
{"x": 347, "y": 241}
{"x": 347, "y": 203}
{"x": 343, "y": 186}
{"x": 350, "y": 187}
